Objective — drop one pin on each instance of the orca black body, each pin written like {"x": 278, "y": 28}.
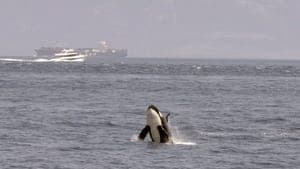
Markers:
{"x": 157, "y": 126}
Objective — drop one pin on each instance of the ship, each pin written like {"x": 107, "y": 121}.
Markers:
{"x": 103, "y": 51}
{"x": 67, "y": 55}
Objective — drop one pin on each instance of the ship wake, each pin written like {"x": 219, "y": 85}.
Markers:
{"x": 40, "y": 60}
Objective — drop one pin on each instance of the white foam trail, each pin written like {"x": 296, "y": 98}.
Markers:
{"x": 24, "y": 60}
{"x": 41, "y": 60}
{"x": 12, "y": 60}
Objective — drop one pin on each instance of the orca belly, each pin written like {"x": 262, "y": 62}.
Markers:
{"x": 155, "y": 135}
{"x": 153, "y": 120}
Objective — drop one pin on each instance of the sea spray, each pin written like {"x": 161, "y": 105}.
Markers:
{"x": 178, "y": 138}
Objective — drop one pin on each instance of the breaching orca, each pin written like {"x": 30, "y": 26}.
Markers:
{"x": 157, "y": 125}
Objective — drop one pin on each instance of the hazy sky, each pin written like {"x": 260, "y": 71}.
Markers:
{"x": 155, "y": 28}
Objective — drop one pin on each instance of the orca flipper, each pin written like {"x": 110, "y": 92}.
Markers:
{"x": 164, "y": 136}
{"x": 144, "y": 132}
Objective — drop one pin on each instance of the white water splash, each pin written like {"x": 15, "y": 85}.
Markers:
{"x": 183, "y": 142}
{"x": 134, "y": 138}
{"x": 177, "y": 138}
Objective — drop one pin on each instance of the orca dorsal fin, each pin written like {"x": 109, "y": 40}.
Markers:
{"x": 167, "y": 117}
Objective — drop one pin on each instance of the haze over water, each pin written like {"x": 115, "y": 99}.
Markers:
{"x": 236, "y": 114}
{"x": 231, "y": 29}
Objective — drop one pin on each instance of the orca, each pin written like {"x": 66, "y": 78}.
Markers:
{"x": 157, "y": 126}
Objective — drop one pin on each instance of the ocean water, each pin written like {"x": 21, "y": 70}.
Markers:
{"x": 224, "y": 114}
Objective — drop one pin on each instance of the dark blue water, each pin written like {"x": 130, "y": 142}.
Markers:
{"x": 224, "y": 114}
